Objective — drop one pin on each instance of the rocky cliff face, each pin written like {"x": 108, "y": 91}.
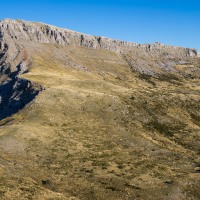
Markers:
{"x": 17, "y": 37}
{"x": 18, "y": 30}
{"x": 15, "y": 92}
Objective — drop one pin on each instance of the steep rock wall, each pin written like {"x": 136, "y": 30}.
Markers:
{"x": 17, "y": 30}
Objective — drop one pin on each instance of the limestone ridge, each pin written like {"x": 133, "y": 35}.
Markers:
{"x": 18, "y": 37}
{"x": 38, "y": 32}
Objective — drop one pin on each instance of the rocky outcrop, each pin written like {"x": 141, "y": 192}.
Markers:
{"x": 15, "y": 93}
{"x": 17, "y": 37}
{"x": 18, "y": 30}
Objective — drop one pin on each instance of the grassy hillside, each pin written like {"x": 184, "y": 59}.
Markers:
{"x": 100, "y": 130}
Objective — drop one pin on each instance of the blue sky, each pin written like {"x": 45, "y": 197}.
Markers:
{"x": 174, "y": 22}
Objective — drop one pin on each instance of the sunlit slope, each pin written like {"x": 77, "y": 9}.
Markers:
{"x": 99, "y": 130}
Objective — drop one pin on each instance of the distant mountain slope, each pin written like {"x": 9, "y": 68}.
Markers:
{"x": 86, "y": 117}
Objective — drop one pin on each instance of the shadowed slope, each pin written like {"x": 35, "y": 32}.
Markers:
{"x": 15, "y": 93}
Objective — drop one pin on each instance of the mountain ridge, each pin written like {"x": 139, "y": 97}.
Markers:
{"x": 47, "y": 33}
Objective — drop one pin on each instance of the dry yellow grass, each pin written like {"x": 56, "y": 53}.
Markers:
{"x": 99, "y": 131}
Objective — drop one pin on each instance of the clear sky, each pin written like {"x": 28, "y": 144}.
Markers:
{"x": 174, "y": 22}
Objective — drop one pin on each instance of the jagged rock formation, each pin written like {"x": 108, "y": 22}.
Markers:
{"x": 18, "y": 34}
{"x": 38, "y": 32}
{"x": 15, "y": 93}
